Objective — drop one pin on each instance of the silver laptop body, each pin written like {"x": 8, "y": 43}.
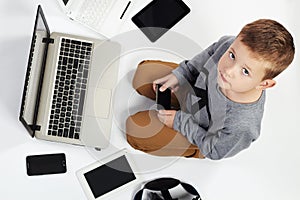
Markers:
{"x": 68, "y": 87}
{"x": 106, "y": 17}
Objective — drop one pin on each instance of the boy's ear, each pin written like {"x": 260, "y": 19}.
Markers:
{"x": 268, "y": 83}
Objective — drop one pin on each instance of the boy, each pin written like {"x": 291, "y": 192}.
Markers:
{"x": 219, "y": 95}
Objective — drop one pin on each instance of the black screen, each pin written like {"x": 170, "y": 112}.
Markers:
{"x": 110, "y": 176}
{"x": 46, "y": 164}
{"x": 163, "y": 99}
{"x": 159, "y": 16}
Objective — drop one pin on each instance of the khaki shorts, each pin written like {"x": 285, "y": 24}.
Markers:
{"x": 144, "y": 131}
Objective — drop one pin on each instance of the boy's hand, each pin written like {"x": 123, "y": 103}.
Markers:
{"x": 167, "y": 117}
{"x": 168, "y": 81}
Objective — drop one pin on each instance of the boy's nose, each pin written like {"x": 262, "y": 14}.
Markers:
{"x": 229, "y": 71}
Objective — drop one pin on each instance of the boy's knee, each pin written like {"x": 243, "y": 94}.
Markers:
{"x": 149, "y": 70}
{"x": 131, "y": 130}
{"x": 139, "y": 128}
{"x": 133, "y": 141}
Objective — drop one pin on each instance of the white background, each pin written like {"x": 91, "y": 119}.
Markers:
{"x": 269, "y": 169}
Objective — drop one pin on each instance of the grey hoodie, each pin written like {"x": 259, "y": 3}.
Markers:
{"x": 218, "y": 126}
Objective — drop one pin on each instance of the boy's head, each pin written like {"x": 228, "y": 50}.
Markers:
{"x": 270, "y": 42}
{"x": 261, "y": 51}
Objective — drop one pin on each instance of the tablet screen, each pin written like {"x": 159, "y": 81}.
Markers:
{"x": 160, "y": 15}
{"x": 109, "y": 176}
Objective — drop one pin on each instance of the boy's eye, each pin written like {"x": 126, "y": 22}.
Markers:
{"x": 245, "y": 72}
{"x": 231, "y": 56}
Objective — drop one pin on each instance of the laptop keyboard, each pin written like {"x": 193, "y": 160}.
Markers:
{"x": 92, "y": 12}
{"x": 70, "y": 88}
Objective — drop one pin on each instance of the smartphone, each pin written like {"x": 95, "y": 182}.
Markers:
{"x": 163, "y": 99}
{"x": 46, "y": 164}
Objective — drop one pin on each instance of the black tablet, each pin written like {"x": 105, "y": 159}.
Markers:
{"x": 102, "y": 179}
{"x": 159, "y": 16}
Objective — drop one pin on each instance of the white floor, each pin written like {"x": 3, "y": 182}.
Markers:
{"x": 269, "y": 169}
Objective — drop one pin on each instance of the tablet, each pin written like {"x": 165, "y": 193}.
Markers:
{"x": 104, "y": 178}
{"x": 156, "y": 18}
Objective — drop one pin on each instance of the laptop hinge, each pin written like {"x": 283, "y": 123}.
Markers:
{"x": 36, "y": 127}
{"x": 48, "y": 40}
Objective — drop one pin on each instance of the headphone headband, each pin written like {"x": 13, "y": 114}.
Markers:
{"x": 159, "y": 189}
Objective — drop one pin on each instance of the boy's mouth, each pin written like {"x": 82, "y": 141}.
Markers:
{"x": 223, "y": 78}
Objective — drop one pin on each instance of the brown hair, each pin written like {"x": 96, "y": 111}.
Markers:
{"x": 271, "y": 42}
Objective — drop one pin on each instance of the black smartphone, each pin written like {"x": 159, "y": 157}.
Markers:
{"x": 46, "y": 164}
{"x": 163, "y": 99}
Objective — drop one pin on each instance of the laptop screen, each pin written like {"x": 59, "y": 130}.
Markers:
{"x": 35, "y": 68}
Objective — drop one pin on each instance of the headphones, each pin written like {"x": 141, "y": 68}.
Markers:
{"x": 167, "y": 189}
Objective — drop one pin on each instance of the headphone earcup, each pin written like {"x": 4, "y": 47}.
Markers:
{"x": 138, "y": 195}
{"x": 190, "y": 189}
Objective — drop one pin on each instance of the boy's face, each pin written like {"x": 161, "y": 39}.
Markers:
{"x": 238, "y": 71}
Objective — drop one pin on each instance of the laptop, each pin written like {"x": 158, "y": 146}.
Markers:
{"x": 106, "y": 17}
{"x": 68, "y": 88}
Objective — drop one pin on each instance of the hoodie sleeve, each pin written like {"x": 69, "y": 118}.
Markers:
{"x": 188, "y": 70}
{"x": 235, "y": 136}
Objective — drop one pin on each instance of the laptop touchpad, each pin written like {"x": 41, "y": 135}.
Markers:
{"x": 98, "y": 102}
